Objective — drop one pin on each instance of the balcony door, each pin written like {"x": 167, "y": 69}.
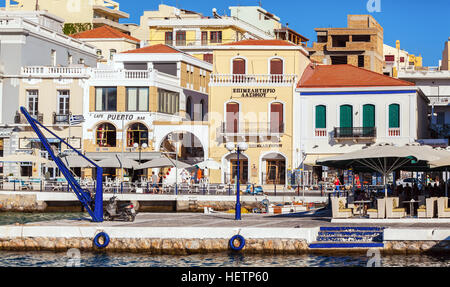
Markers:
{"x": 232, "y": 124}
{"x": 238, "y": 70}
{"x": 346, "y": 120}
{"x": 276, "y": 118}
{"x": 276, "y": 70}
{"x": 368, "y": 120}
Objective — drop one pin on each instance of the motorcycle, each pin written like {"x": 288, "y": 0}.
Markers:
{"x": 124, "y": 212}
{"x": 254, "y": 190}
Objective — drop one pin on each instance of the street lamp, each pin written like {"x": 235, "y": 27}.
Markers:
{"x": 240, "y": 147}
{"x": 140, "y": 147}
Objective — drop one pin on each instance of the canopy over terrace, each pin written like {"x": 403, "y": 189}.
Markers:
{"x": 384, "y": 159}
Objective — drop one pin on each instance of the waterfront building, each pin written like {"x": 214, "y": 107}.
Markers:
{"x": 43, "y": 70}
{"x": 396, "y": 59}
{"x": 77, "y": 15}
{"x": 435, "y": 85}
{"x": 342, "y": 108}
{"x": 359, "y": 44}
{"x": 251, "y": 100}
{"x": 108, "y": 41}
{"x": 155, "y": 97}
{"x": 199, "y": 35}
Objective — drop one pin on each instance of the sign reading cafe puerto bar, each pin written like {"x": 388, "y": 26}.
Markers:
{"x": 254, "y": 93}
{"x": 118, "y": 117}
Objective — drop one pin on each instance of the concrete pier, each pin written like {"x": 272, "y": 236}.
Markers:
{"x": 188, "y": 233}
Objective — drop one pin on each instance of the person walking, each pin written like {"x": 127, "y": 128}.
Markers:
{"x": 154, "y": 182}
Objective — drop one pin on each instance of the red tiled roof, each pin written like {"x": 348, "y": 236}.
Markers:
{"x": 155, "y": 49}
{"x": 103, "y": 32}
{"x": 261, "y": 43}
{"x": 340, "y": 76}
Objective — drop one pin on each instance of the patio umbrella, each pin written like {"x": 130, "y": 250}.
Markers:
{"x": 73, "y": 161}
{"x": 383, "y": 158}
{"x": 209, "y": 164}
{"x": 118, "y": 163}
{"x": 24, "y": 158}
{"x": 162, "y": 163}
{"x": 442, "y": 164}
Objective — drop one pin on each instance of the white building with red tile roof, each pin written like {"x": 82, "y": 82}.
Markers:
{"x": 342, "y": 108}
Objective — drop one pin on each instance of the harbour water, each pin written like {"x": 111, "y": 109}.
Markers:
{"x": 48, "y": 259}
{"x": 89, "y": 259}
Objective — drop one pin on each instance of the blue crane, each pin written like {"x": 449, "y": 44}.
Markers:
{"x": 94, "y": 206}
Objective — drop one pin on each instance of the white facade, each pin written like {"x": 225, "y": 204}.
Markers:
{"x": 312, "y": 143}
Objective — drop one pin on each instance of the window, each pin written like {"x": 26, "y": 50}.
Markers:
{"x": 402, "y": 59}
{"x": 53, "y": 57}
{"x": 208, "y": 58}
{"x": 346, "y": 120}
{"x": 106, "y": 135}
{"x": 361, "y": 38}
{"x": 137, "y": 133}
{"x": 168, "y": 102}
{"x": 321, "y": 117}
{"x": 361, "y": 61}
{"x": 81, "y": 61}
{"x": 32, "y": 98}
{"x": 276, "y": 67}
{"x": 169, "y": 38}
{"x": 441, "y": 118}
{"x": 70, "y": 59}
{"x": 112, "y": 52}
{"x": 276, "y": 118}
{"x": 181, "y": 38}
{"x": 389, "y": 58}
{"x": 339, "y": 60}
{"x": 238, "y": 69}
{"x": 106, "y": 99}
{"x": 394, "y": 116}
{"x": 232, "y": 116}
{"x": 216, "y": 36}
{"x": 63, "y": 102}
{"x": 340, "y": 41}
{"x": 204, "y": 38}
{"x": 137, "y": 99}
{"x": 189, "y": 108}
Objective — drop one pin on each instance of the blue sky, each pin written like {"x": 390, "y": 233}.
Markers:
{"x": 422, "y": 26}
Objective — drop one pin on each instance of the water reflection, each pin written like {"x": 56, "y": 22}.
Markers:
{"x": 48, "y": 259}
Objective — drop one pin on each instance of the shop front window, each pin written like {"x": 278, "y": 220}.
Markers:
{"x": 137, "y": 133}
{"x": 106, "y": 135}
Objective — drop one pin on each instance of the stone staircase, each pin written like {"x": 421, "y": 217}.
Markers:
{"x": 348, "y": 237}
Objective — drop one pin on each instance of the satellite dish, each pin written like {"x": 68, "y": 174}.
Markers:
{"x": 214, "y": 10}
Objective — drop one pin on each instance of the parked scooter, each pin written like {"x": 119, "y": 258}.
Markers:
{"x": 254, "y": 190}
{"x": 124, "y": 212}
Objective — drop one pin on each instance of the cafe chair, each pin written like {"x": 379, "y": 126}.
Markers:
{"x": 427, "y": 210}
{"x": 443, "y": 210}
{"x": 380, "y": 211}
{"x": 392, "y": 208}
{"x": 339, "y": 209}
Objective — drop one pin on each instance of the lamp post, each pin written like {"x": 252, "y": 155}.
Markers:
{"x": 140, "y": 147}
{"x": 240, "y": 147}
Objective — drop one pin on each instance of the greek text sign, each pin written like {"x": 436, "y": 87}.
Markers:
{"x": 254, "y": 93}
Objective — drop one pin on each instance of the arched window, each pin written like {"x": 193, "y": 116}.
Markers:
{"x": 321, "y": 121}
{"x": 137, "y": 133}
{"x": 202, "y": 110}
{"x": 189, "y": 108}
{"x": 394, "y": 120}
{"x": 238, "y": 70}
{"x": 276, "y": 118}
{"x": 368, "y": 120}
{"x": 346, "y": 120}
{"x": 106, "y": 135}
{"x": 232, "y": 124}
{"x": 239, "y": 66}
{"x": 276, "y": 70}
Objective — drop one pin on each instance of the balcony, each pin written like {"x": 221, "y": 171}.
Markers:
{"x": 355, "y": 134}
{"x": 60, "y": 119}
{"x": 252, "y": 80}
{"x": 439, "y": 101}
{"x": 54, "y": 72}
{"x": 250, "y": 130}
{"x": 150, "y": 77}
{"x": 20, "y": 118}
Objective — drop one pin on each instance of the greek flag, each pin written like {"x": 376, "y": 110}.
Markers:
{"x": 76, "y": 120}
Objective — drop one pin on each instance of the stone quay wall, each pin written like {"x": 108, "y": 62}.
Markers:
{"x": 166, "y": 246}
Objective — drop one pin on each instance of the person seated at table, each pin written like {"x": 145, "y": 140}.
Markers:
{"x": 398, "y": 190}
{"x": 415, "y": 192}
{"x": 361, "y": 196}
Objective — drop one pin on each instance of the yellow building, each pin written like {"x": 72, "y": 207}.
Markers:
{"x": 192, "y": 32}
{"x": 79, "y": 14}
{"x": 251, "y": 100}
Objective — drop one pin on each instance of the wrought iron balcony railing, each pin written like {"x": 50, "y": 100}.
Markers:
{"x": 355, "y": 133}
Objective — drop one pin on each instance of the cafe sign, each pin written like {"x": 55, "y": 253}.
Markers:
{"x": 119, "y": 117}
{"x": 253, "y": 93}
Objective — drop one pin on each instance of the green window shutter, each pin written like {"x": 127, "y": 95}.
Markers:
{"x": 321, "y": 117}
{"x": 394, "y": 116}
{"x": 346, "y": 112}
{"x": 368, "y": 116}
